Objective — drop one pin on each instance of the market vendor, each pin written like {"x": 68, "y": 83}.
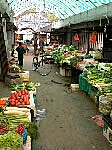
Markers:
{"x": 21, "y": 51}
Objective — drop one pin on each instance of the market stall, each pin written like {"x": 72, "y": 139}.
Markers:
{"x": 99, "y": 77}
{"x": 17, "y": 110}
{"x": 95, "y": 78}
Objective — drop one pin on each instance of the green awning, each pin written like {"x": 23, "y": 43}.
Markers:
{"x": 60, "y": 8}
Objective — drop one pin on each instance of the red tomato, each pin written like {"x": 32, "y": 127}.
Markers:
{"x": 28, "y": 103}
{"x": 12, "y": 100}
{"x": 21, "y": 100}
{"x": 12, "y": 97}
{"x": 16, "y": 95}
{"x": 16, "y": 101}
{"x": 18, "y": 98}
{"x": 26, "y": 92}
{"x": 25, "y": 99}
{"x": 12, "y": 103}
{"x": 27, "y": 96}
{"x": 19, "y": 93}
{"x": 22, "y": 92}
{"x": 22, "y": 97}
{"x": 16, "y": 104}
{"x": 19, "y": 103}
{"x": 23, "y": 103}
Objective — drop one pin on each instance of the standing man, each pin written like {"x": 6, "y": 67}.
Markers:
{"x": 20, "y": 51}
{"x": 35, "y": 44}
{"x": 41, "y": 44}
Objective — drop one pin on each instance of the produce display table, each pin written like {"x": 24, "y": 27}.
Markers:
{"x": 84, "y": 85}
{"x": 9, "y": 110}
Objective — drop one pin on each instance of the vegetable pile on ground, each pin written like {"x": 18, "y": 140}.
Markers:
{"x": 21, "y": 97}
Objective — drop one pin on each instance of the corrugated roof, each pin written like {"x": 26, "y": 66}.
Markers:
{"x": 60, "y": 8}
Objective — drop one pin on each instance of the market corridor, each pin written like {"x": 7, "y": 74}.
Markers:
{"x": 68, "y": 125}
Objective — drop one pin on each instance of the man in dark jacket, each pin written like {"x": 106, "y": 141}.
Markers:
{"x": 20, "y": 51}
{"x": 41, "y": 44}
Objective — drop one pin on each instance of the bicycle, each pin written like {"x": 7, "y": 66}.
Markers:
{"x": 43, "y": 66}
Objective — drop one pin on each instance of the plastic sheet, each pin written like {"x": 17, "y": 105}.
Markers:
{"x": 98, "y": 120}
{"x": 84, "y": 85}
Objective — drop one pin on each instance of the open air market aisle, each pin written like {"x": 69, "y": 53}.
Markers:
{"x": 68, "y": 124}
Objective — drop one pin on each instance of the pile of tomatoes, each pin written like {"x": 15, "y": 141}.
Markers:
{"x": 21, "y": 97}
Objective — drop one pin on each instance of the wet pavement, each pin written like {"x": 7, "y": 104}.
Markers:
{"x": 68, "y": 125}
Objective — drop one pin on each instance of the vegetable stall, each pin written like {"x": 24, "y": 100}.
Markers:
{"x": 94, "y": 78}
{"x": 16, "y": 127}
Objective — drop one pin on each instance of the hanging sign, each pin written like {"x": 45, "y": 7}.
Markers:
{"x": 76, "y": 37}
{"x": 93, "y": 37}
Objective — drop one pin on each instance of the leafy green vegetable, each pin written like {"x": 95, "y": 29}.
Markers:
{"x": 74, "y": 61}
{"x": 11, "y": 140}
{"x": 71, "y": 48}
{"x": 32, "y": 129}
{"x": 28, "y": 86}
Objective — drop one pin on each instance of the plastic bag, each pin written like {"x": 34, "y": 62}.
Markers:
{"x": 76, "y": 38}
{"x": 98, "y": 120}
{"x": 24, "y": 136}
{"x": 93, "y": 38}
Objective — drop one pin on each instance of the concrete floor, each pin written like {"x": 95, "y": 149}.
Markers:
{"x": 68, "y": 125}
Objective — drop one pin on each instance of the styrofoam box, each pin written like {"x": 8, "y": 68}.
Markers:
{"x": 74, "y": 87}
{"x": 62, "y": 71}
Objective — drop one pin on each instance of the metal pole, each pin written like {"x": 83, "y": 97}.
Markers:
{"x": 88, "y": 43}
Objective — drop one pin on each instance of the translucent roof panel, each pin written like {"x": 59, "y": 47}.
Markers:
{"x": 60, "y": 8}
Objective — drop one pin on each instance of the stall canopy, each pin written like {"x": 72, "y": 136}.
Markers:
{"x": 62, "y": 9}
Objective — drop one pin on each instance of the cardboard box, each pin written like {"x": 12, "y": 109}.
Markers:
{"x": 24, "y": 76}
